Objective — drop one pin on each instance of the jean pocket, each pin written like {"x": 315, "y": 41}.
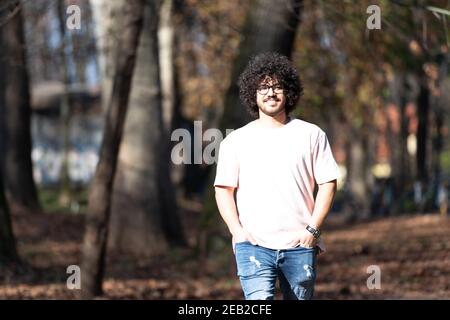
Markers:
{"x": 237, "y": 244}
{"x": 245, "y": 259}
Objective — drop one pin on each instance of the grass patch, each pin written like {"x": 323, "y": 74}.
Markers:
{"x": 49, "y": 198}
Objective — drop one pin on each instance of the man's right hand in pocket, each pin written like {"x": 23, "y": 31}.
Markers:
{"x": 241, "y": 235}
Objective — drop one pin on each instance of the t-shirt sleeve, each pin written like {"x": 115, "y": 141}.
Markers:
{"x": 227, "y": 171}
{"x": 325, "y": 167}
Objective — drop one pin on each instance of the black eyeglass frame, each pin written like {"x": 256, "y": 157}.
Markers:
{"x": 264, "y": 89}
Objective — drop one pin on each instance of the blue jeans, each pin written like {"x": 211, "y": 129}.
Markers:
{"x": 259, "y": 267}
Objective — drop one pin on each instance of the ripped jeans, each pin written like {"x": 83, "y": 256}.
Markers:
{"x": 259, "y": 267}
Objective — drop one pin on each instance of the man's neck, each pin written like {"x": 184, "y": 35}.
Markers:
{"x": 273, "y": 122}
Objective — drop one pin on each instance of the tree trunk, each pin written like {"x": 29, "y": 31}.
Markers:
{"x": 268, "y": 27}
{"x": 18, "y": 168}
{"x": 97, "y": 219}
{"x": 7, "y": 243}
{"x": 107, "y": 16}
{"x": 169, "y": 42}
{"x": 166, "y": 35}
{"x": 397, "y": 138}
{"x": 171, "y": 114}
{"x": 440, "y": 103}
{"x": 144, "y": 216}
{"x": 404, "y": 171}
{"x": 357, "y": 169}
{"x": 8, "y": 252}
{"x": 65, "y": 111}
{"x": 423, "y": 102}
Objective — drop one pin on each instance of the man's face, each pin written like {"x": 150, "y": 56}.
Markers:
{"x": 270, "y": 97}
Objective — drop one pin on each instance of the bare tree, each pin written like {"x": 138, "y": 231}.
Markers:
{"x": 7, "y": 243}
{"x": 144, "y": 218}
{"x": 107, "y": 16}
{"x": 95, "y": 239}
{"x": 65, "y": 112}
{"x": 260, "y": 36}
{"x": 17, "y": 167}
{"x": 166, "y": 39}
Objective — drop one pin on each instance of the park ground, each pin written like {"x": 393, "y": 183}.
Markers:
{"x": 411, "y": 251}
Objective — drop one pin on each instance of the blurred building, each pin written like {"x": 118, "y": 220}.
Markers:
{"x": 85, "y": 127}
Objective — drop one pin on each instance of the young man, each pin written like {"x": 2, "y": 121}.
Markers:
{"x": 274, "y": 162}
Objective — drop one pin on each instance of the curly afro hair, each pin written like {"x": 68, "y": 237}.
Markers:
{"x": 276, "y": 66}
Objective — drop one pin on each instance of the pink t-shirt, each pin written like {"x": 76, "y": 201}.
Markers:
{"x": 274, "y": 171}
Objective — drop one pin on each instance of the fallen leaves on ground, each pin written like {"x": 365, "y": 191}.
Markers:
{"x": 412, "y": 253}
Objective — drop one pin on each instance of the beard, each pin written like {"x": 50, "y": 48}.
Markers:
{"x": 272, "y": 111}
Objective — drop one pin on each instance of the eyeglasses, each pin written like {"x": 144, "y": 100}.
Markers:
{"x": 263, "y": 89}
